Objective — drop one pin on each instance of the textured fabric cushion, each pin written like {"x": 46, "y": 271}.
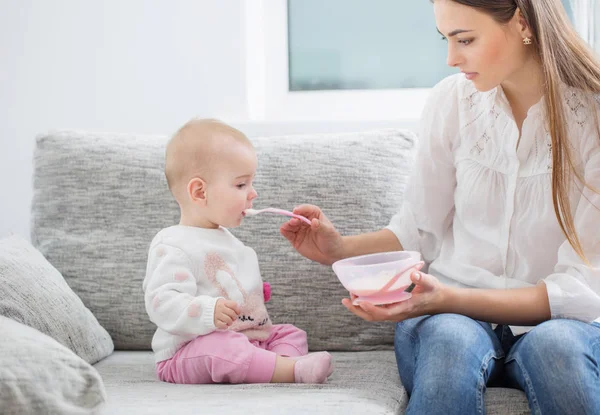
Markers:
{"x": 362, "y": 383}
{"x": 38, "y": 375}
{"x": 34, "y": 293}
{"x": 100, "y": 198}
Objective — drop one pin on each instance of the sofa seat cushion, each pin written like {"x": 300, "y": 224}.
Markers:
{"x": 362, "y": 383}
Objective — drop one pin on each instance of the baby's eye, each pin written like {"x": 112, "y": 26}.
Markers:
{"x": 241, "y": 185}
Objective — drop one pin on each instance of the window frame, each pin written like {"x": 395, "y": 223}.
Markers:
{"x": 267, "y": 81}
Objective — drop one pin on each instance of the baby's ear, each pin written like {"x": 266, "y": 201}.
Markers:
{"x": 197, "y": 190}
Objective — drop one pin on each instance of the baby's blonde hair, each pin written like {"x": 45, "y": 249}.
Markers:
{"x": 192, "y": 148}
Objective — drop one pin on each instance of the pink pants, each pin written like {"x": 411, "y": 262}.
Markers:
{"x": 225, "y": 356}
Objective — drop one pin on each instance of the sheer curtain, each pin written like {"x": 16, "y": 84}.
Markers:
{"x": 584, "y": 14}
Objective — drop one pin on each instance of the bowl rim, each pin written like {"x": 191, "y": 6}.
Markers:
{"x": 413, "y": 256}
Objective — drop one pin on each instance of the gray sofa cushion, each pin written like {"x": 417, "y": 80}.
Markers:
{"x": 362, "y": 383}
{"x": 100, "y": 198}
{"x": 34, "y": 293}
{"x": 38, "y": 375}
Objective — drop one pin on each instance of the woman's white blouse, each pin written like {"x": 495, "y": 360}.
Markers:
{"x": 479, "y": 203}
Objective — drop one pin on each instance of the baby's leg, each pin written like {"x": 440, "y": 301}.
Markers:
{"x": 290, "y": 343}
{"x": 287, "y": 340}
{"x": 222, "y": 356}
{"x": 312, "y": 368}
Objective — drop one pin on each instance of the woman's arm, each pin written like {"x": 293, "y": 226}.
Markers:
{"x": 516, "y": 306}
{"x": 321, "y": 242}
{"x": 383, "y": 240}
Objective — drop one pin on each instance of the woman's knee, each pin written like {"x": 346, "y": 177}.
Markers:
{"x": 556, "y": 364}
{"x": 450, "y": 332}
{"x": 445, "y": 342}
{"x": 559, "y": 343}
{"x": 431, "y": 350}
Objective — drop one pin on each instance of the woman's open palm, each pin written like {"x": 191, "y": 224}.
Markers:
{"x": 426, "y": 298}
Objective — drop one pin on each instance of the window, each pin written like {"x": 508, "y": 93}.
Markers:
{"x": 358, "y": 44}
{"x": 351, "y": 59}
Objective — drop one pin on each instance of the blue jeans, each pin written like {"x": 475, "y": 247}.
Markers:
{"x": 447, "y": 360}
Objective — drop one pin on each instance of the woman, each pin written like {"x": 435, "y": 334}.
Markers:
{"x": 503, "y": 205}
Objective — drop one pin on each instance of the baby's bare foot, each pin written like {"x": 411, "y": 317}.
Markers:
{"x": 313, "y": 368}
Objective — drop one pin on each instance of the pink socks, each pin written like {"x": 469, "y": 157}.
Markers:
{"x": 313, "y": 368}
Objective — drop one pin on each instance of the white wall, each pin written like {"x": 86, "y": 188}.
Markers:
{"x": 140, "y": 66}
{"x": 133, "y": 66}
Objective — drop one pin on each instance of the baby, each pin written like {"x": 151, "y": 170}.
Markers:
{"x": 203, "y": 287}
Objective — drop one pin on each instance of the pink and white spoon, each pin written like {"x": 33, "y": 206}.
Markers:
{"x": 252, "y": 212}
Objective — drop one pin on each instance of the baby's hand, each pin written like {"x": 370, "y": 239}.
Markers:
{"x": 226, "y": 312}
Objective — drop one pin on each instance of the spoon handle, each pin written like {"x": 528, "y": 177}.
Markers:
{"x": 253, "y": 212}
{"x": 288, "y": 213}
{"x": 391, "y": 282}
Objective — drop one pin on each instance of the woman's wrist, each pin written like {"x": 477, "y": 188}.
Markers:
{"x": 383, "y": 240}
{"x": 343, "y": 249}
{"x": 355, "y": 245}
{"x": 445, "y": 300}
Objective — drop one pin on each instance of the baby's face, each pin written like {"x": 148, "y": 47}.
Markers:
{"x": 230, "y": 191}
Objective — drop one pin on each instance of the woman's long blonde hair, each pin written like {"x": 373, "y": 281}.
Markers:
{"x": 565, "y": 58}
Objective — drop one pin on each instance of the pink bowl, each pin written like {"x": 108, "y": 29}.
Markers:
{"x": 378, "y": 278}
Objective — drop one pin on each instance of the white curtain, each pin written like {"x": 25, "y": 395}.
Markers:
{"x": 585, "y": 14}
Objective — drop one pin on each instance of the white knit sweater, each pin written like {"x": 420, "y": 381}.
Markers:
{"x": 190, "y": 268}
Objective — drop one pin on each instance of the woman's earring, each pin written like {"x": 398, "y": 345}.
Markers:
{"x": 526, "y": 41}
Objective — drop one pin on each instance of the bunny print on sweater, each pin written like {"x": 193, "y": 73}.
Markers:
{"x": 188, "y": 270}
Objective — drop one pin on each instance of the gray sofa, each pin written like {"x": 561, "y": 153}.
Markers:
{"x": 100, "y": 198}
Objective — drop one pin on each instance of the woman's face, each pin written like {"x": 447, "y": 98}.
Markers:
{"x": 487, "y": 52}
